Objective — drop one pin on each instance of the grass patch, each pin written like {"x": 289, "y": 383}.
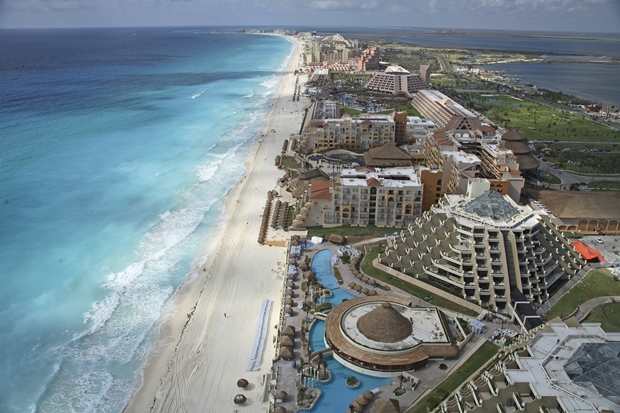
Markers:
{"x": 350, "y": 111}
{"x": 605, "y": 185}
{"x": 477, "y": 360}
{"x": 348, "y": 230}
{"x": 597, "y": 283}
{"x": 608, "y": 315}
{"x": 371, "y": 254}
{"x": 551, "y": 179}
{"x": 289, "y": 162}
{"x": 337, "y": 275}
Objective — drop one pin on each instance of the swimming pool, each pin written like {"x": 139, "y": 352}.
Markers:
{"x": 336, "y": 396}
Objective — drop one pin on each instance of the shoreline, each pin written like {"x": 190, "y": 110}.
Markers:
{"x": 206, "y": 330}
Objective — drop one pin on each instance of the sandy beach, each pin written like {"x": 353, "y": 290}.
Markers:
{"x": 202, "y": 353}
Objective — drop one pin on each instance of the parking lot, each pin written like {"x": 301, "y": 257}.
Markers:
{"x": 610, "y": 246}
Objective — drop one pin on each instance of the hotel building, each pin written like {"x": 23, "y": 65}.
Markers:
{"x": 396, "y": 79}
{"x": 485, "y": 248}
{"x": 389, "y": 197}
{"x": 446, "y": 113}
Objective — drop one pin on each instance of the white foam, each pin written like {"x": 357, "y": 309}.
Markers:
{"x": 250, "y": 95}
{"x": 198, "y": 94}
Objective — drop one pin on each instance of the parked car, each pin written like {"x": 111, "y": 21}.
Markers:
{"x": 598, "y": 240}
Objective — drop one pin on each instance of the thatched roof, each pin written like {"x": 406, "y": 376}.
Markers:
{"x": 286, "y": 353}
{"x": 315, "y": 174}
{"x": 243, "y": 383}
{"x": 290, "y": 284}
{"x": 289, "y": 331}
{"x": 384, "y": 324}
{"x": 356, "y": 407}
{"x": 527, "y": 162}
{"x": 580, "y": 205}
{"x": 513, "y": 134}
{"x": 387, "y": 155}
{"x": 289, "y": 292}
{"x": 281, "y": 395}
{"x": 279, "y": 409}
{"x": 336, "y": 239}
{"x": 369, "y": 395}
{"x": 386, "y": 406}
{"x": 357, "y": 288}
{"x": 240, "y": 399}
{"x": 372, "y": 292}
{"x": 288, "y": 310}
{"x": 352, "y": 284}
{"x": 287, "y": 341}
{"x": 361, "y": 400}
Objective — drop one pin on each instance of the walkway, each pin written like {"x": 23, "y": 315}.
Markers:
{"x": 584, "y": 309}
{"x": 554, "y": 299}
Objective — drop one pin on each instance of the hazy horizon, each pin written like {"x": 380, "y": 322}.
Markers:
{"x": 573, "y": 16}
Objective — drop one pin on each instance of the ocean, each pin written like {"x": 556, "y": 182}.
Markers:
{"x": 117, "y": 147}
{"x": 598, "y": 82}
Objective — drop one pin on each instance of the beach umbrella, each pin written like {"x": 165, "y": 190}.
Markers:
{"x": 279, "y": 409}
{"x": 368, "y": 395}
{"x": 243, "y": 383}
{"x": 352, "y": 267}
{"x": 372, "y": 282}
{"x": 289, "y": 331}
{"x": 372, "y": 292}
{"x": 286, "y": 353}
{"x": 290, "y": 284}
{"x": 356, "y": 407}
{"x": 288, "y": 310}
{"x": 304, "y": 266}
{"x": 365, "y": 279}
{"x": 281, "y": 395}
{"x": 287, "y": 341}
{"x": 355, "y": 260}
{"x": 240, "y": 399}
{"x": 289, "y": 292}
{"x": 361, "y": 400}
{"x": 292, "y": 261}
{"x": 357, "y": 288}
{"x": 289, "y": 301}
{"x": 352, "y": 284}
{"x": 290, "y": 276}
{"x": 358, "y": 276}
{"x": 365, "y": 290}
{"x": 293, "y": 255}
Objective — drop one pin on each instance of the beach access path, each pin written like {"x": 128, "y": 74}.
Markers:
{"x": 202, "y": 353}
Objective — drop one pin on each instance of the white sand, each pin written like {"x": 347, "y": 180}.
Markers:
{"x": 196, "y": 364}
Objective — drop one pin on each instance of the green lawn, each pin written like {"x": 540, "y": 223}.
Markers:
{"x": 597, "y": 283}
{"x": 371, "y": 254}
{"x": 609, "y": 185}
{"x": 289, "y": 162}
{"x": 477, "y": 360}
{"x": 538, "y": 121}
{"x": 608, "y": 315}
{"x": 551, "y": 179}
{"x": 348, "y": 230}
{"x": 353, "y": 112}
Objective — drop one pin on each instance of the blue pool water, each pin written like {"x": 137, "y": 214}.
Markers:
{"x": 336, "y": 396}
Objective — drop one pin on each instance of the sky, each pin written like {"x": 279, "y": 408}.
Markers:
{"x": 543, "y": 15}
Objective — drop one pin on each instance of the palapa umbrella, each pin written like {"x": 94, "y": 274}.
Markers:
{"x": 365, "y": 279}
{"x": 361, "y": 400}
{"x": 287, "y": 341}
{"x": 290, "y": 284}
{"x": 352, "y": 284}
{"x": 279, "y": 409}
{"x": 290, "y": 276}
{"x": 281, "y": 395}
{"x": 289, "y": 292}
{"x": 243, "y": 383}
{"x": 289, "y": 301}
{"x": 372, "y": 292}
{"x": 372, "y": 282}
{"x": 292, "y": 261}
{"x": 351, "y": 267}
{"x": 286, "y": 353}
{"x": 288, "y": 310}
{"x": 358, "y": 276}
{"x": 240, "y": 399}
{"x": 368, "y": 395}
{"x": 358, "y": 288}
{"x": 357, "y": 408}
{"x": 304, "y": 266}
{"x": 293, "y": 255}
{"x": 289, "y": 331}
{"x": 365, "y": 290}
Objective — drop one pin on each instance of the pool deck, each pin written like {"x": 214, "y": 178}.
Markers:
{"x": 286, "y": 376}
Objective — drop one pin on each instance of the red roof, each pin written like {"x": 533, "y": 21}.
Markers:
{"x": 373, "y": 182}
{"x": 366, "y": 122}
{"x": 321, "y": 190}
{"x": 587, "y": 252}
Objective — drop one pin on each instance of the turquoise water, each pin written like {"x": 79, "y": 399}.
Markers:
{"x": 336, "y": 396}
{"x": 117, "y": 147}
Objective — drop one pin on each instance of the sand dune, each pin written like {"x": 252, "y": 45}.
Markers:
{"x": 195, "y": 365}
